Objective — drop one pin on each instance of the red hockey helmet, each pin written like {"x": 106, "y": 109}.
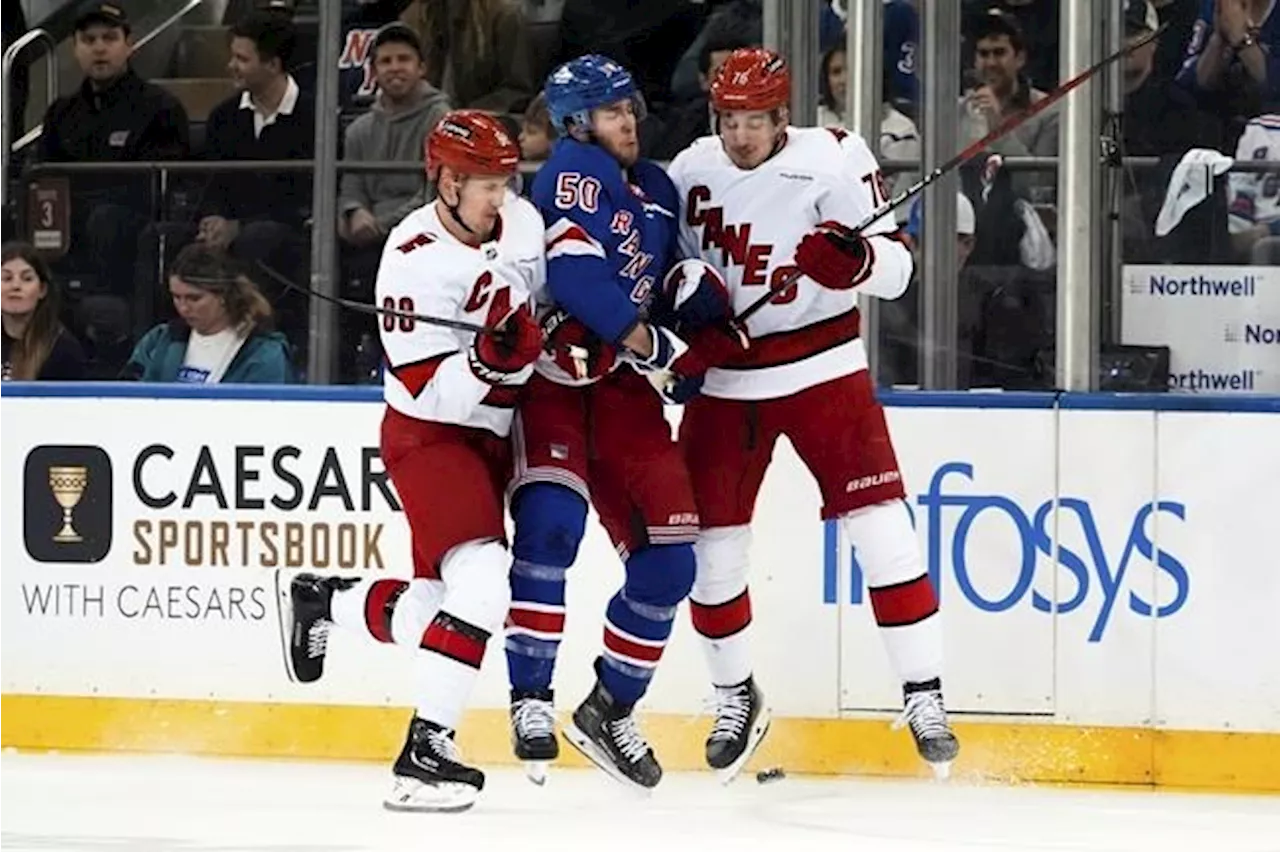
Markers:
{"x": 752, "y": 79}
{"x": 471, "y": 142}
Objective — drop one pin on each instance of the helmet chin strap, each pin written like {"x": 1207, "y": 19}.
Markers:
{"x": 453, "y": 211}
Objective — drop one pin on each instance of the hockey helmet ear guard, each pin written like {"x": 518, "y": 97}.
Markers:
{"x": 589, "y": 82}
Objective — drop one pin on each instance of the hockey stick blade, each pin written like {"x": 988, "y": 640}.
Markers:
{"x": 1002, "y": 130}
{"x": 364, "y": 308}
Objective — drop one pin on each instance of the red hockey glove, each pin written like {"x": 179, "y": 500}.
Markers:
{"x": 577, "y": 350}
{"x": 835, "y": 257}
{"x": 515, "y": 343}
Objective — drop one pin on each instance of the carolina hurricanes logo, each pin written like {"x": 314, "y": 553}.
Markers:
{"x": 482, "y": 292}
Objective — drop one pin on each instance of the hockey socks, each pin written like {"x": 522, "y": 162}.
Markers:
{"x": 720, "y": 605}
{"x": 902, "y": 595}
{"x": 639, "y": 617}
{"x": 450, "y": 620}
{"x": 550, "y": 521}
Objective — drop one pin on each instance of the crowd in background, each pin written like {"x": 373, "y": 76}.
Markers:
{"x": 139, "y": 263}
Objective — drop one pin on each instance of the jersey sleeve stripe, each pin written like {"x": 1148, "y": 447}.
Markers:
{"x": 415, "y": 375}
{"x": 569, "y": 238}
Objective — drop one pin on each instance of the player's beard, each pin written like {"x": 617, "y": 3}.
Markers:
{"x": 626, "y": 153}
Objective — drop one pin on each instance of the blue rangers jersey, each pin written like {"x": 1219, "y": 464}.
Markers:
{"x": 610, "y": 236}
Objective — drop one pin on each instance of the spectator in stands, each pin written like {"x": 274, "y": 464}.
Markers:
{"x": 223, "y": 331}
{"x": 36, "y": 346}
{"x": 900, "y": 318}
{"x": 1161, "y": 120}
{"x": 1037, "y": 21}
{"x": 537, "y": 133}
{"x": 899, "y": 139}
{"x": 1179, "y": 17}
{"x": 901, "y": 35}
{"x": 684, "y": 78}
{"x": 407, "y": 108}
{"x": 370, "y": 205}
{"x": 1233, "y": 61}
{"x": 691, "y": 120}
{"x": 998, "y": 88}
{"x": 1254, "y": 197}
{"x": 260, "y": 215}
{"x": 114, "y": 116}
{"x": 477, "y": 52}
{"x": 361, "y": 22}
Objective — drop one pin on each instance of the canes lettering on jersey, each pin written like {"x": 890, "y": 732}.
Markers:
{"x": 734, "y": 242}
{"x": 808, "y": 334}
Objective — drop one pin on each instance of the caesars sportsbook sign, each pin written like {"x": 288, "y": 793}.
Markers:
{"x": 197, "y": 520}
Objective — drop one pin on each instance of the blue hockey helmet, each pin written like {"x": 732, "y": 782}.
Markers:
{"x": 586, "y": 83}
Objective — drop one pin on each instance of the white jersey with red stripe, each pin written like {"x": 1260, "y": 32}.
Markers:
{"x": 748, "y": 223}
{"x": 426, "y": 270}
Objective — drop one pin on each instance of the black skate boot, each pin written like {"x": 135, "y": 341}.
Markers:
{"x": 924, "y": 714}
{"x": 305, "y": 622}
{"x": 533, "y": 732}
{"x": 606, "y": 733}
{"x": 430, "y": 775}
{"x": 741, "y": 722}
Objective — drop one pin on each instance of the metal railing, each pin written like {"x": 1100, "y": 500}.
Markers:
{"x": 10, "y": 56}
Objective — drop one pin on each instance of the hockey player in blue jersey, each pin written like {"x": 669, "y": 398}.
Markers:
{"x": 591, "y": 427}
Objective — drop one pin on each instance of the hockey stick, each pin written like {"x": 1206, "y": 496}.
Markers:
{"x": 364, "y": 308}
{"x": 578, "y": 354}
{"x": 1005, "y": 127}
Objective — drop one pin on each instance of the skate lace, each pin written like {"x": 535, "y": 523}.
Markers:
{"x": 318, "y": 639}
{"x": 444, "y": 746}
{"x": 627, "y": 737}
{"x": 925, "y": 714}
{"x": 533, "y": 719}
{"x": 732, "y": 710}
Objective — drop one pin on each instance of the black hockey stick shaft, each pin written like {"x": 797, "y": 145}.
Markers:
{"x": 365, "y": 308}
{"x": 1010, "y": 124}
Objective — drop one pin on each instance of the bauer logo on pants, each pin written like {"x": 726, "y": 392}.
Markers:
{"x": 66, "y": 504}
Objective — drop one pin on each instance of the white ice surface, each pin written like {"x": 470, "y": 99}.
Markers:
{"x": 157, "y": 804}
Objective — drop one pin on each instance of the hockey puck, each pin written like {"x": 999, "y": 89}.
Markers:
{"x": 773, "y": 773}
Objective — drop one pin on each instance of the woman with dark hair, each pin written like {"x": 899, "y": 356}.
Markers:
{"x": 36, "y": 346}
{"x": 222, "y": 333}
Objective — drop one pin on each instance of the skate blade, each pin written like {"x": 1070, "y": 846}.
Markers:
{"x": 592, "y": 752}
{"x": 448, "y": 797}
{"x": 727, "y": 775}
{"x": 284, "y": 616}
{"x": 941, "y": 770}
{"x": 536, "y": 771}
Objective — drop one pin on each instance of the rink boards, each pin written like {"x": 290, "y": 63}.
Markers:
{"x": 1108, "y": 570}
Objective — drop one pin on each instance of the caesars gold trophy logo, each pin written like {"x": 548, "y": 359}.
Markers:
{"x": 67, "y": 504}
{"x": 67, "y": 485}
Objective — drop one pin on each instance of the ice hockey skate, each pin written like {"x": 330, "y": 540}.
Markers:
{"x": 741, "y": 722}
{"x": 533, "y": 732}
{"x": 303, "y": 608}
{"x": 607, "y": 734}
{"x": 924, "y": 714}
{"x": 430, "y": 774}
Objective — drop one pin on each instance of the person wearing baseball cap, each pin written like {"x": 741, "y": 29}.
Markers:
{"x": 113, "y": 116}
{"x": 106, "y": 14}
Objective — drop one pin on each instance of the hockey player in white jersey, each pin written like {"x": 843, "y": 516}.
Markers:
{"x": 475, "y": 254}
{"x": 762, "y": 201}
